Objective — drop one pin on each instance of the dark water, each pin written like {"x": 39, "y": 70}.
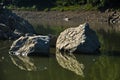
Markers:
{"x": 105, "y": 66}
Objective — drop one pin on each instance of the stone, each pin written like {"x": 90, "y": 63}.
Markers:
{"x": 31, "y": 45}
{"x": 78, "y": 39}
{"x": 114, "y": 18}
{"x": 10, "y": 24}
{"x": 3, "y": 35}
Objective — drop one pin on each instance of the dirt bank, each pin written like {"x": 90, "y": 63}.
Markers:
{"x": 74, "y": 16}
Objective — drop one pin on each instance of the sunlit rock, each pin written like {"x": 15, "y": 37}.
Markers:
{"x": 31, "y": 45}
{"x": 66, "y": 19}
{"x": 80, "y": 39}
{"x": 69, "y": 61}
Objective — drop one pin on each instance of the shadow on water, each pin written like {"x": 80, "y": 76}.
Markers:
{"x": 104, "y": 68}
{"x": 92, "y": 67}
{"x": 110, "y": 42}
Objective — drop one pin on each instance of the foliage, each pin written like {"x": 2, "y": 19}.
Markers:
{"x": 46, "y": 29}
{"x": 43, "y": 4}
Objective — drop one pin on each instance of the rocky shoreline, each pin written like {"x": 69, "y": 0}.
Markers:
{"x": 15, "y": 25}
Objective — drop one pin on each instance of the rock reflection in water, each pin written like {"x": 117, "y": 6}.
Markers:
{"x": 23, "y": 62}
{"x": 69, "y": 61}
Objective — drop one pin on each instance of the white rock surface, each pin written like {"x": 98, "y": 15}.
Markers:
{"x": 30, "y": 45}
{"x": 80, "y": 39}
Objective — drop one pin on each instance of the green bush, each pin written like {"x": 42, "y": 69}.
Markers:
{"x": 61, "y": 4}
{"x": 47, "y": 9}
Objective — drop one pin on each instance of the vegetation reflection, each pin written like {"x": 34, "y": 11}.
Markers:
{"x": 106, "y": 68}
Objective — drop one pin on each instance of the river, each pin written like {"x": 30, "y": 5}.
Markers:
{"x": 103, "y": 66}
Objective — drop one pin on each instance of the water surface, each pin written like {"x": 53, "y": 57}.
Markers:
{"x": 105, "y": 66}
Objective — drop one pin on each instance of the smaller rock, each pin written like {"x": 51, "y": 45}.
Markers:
{"x": 66, "y": 19}
{"x": 31, "y": 45}
{"x": 114, "y": 18}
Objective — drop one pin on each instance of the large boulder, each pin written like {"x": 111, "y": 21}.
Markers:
{"x": 31, "y": 45}
{"x": 11, "y": 24}
{"x": 78, "y": 39}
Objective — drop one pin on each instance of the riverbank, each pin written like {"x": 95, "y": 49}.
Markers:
{"x": 75, "y": 18}
{"x": 58, "y": 16}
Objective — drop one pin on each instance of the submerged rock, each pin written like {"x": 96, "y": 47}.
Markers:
{"x": 31, "y": 45}
{"x": 80, "y": 39}
{"x": 11, "y": 25}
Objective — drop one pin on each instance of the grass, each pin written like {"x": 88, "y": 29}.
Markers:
{"x": 87, "y": 7}
{"x": 46, "y": 29}
{"x": 57, "y": 8}
{"x": 12, "y": 7}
